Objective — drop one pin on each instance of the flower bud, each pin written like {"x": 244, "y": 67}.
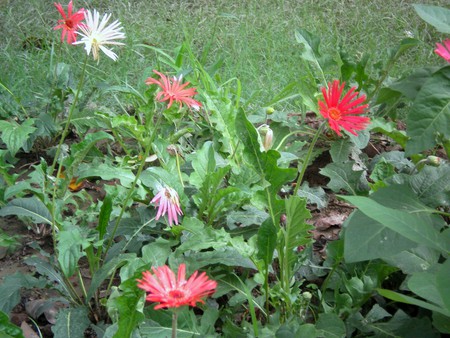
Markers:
{"x": 267, "y": 135}
{"x": 270, "y": 110}
{"x": 434, "y": 161}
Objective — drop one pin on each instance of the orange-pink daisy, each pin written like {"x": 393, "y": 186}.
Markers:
{"x": 172, "y": 292}
{"x": 173, "y": 90}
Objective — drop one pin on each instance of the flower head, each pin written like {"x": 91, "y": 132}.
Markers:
{"x": 96, "y": 35}
{"x": 443, "y": 50}
{"x": 173, "y": 90}
{"x": 167, "y": 201}
{"x": 172, "y": 292}
{"x": 70, "y": 22}
{"x": 343, "y": 113}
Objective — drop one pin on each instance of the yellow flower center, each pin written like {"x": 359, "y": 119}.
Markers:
{"x": 334, "y": 114}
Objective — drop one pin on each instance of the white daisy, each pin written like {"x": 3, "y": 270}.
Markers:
{"x": 95, "y": 34}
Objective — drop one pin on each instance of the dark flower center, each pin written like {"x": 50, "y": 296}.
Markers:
{"x": 177, "y": 294}
{"x": 334, "y": 114}
{"x": 69, "y": 23}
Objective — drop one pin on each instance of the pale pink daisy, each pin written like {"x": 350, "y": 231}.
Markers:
{"x": 168, "y": 202}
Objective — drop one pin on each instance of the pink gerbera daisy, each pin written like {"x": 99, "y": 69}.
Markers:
{"x": 443, "y": 50}
{"x": 173, "y": 90}
{"x": 172, "y": 292}
{"x": 343, "y": 113}
{"x": 167, "y": 201}
{"x": 70, "y": 22}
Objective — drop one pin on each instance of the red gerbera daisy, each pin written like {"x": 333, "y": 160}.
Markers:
{"x": 343, "y": 113}
{"x": 172, "y": 292}
{"x": 173, "y": 90}
{"x": 443, "y": 50}
{"x": 70, "y": 22}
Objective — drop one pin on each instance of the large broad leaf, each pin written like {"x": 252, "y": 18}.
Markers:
{"x": 10, "y": 289}
{"x": 265, "y": 164}
{"x": 314, "y": 195}
{"x": 16, "y": 135}
{"x": 310, "y": 45}
{"x": 71, "y": 243}
{"x": 330, "y": 325}
{"x": 266, "y": 241}
{"x": 44, "y": 268}
{"x": 204, "y": 163}
{"x": 430, "y": 113}
{"x": 413, "y": 223}
{"x": 71, "y": 323}
{"x": 297, "y": 231}
{"x": 8, "y": 329}
{"x": 342, "y": 177}
{"x": 432, "y": 185}
{"x": 31, "y": 207}
{"x": 439, "y": 17}
{"x": 369, "y": 234}
{"x": 105, "y": 171}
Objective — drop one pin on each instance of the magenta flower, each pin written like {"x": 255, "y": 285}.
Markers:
{"x": 168, "y": 202}
{"x": 443, "y": 50}
{"x": 172, "y": 292}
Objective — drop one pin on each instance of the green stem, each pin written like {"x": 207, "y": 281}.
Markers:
{"x": 133, "y": 185}
{"x": 290, "y": 134}
{"x": 307, "y": 158}
{"x": 174, "y": 323}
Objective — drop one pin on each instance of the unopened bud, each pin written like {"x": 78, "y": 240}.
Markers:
{"x": 307, "y": 295}
{"x": 270, "y": 110}
{"x": 434, "y": 160}
{"x": 267, "y": 135}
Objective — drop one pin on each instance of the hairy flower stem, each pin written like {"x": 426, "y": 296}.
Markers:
{"x": 307, "y": 158}
{"x": 174, "y": 323}
{"x": 58, "y": 152}
{"x": 133, "y": 185}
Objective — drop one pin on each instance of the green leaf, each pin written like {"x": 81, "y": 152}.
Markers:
{"x": 266, "y": 241}
{"x": 128, "y": 305}
{"x": 297, "y": 231}
{"x": 430, "y": 113}
{"x": 204, "y": 163}
{"x": 156, "y": 253}
{"x": 31, "y": 207}
{"x": 314, "y": 195}
{"x": 71, "y": 323}
{"x": 342, "y": 177}
{"x": 414, "y": 260}
{"x": 368, "y": 237}
{"x": 105, "y": 214}
{"x": 398, "y": 297}
{"x": 340, "y": 150}
{"x": 80, "y": 150}
{"x": 70, "y": 244}
{"x": 10, "y": 289}
{"x": 105, "y": 271}
{"x": 265, "y": 164}
{"x": 330, "y": 325}
{"x": 417, "y": 226}
{"x": 432, "y": 185}
{"x": 105, "y": 171}
{"x": 439, "y": 17}
{"x": 16, "y": 135}
{"x": 8, "y": 329}
{"x": 310, "y": 45}
{"x": 443, "y": 283}
{"x": 44, "y": 268}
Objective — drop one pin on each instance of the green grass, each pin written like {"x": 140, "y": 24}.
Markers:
{"x": 254, "y": 38}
